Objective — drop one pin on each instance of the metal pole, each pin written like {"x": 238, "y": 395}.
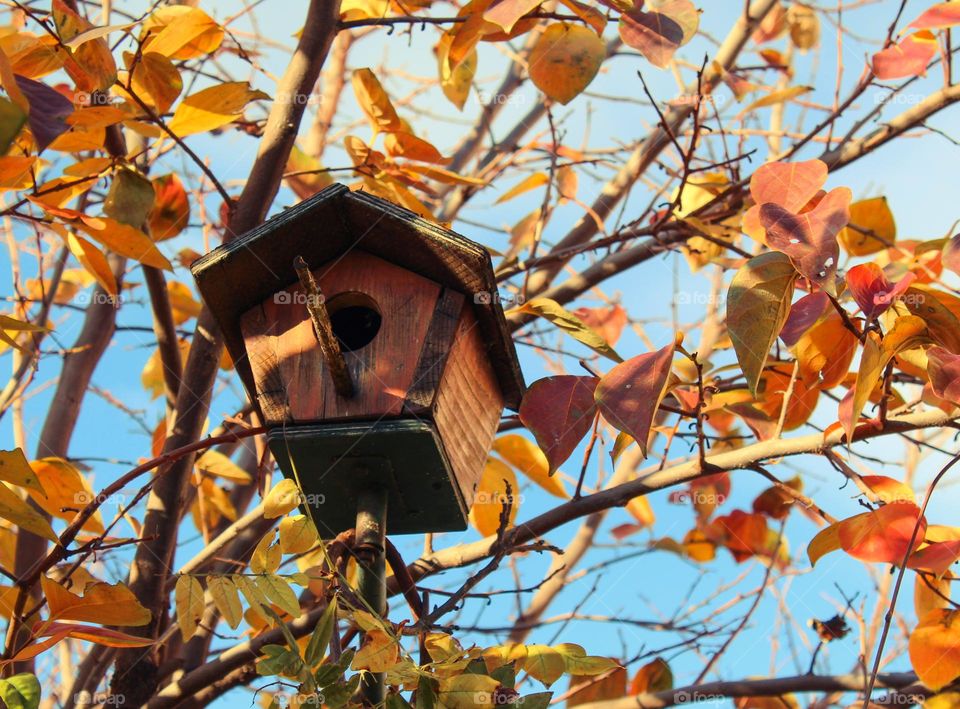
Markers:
{"x": 369, "y": 548}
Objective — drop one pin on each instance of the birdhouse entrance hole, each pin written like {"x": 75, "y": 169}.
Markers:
{"x": 355, "y": 319}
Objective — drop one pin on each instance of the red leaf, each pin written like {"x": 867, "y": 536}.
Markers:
{"x": 810, "y": 238}
{"x": 656, "y": 35}
{"x": 607, "y": 322}
{"x": 883, "y": 534}
{"x": 743, "y": 533}
{"x": 944, "y": 369}
{"x": 630, "y": 393}
{"x": 803, "y": 315}
{"x": 907, "y": 58}
{"x": 873, "y": 292}
{"x": 944, "y": 14}
{"x": 790, "y": 184}
{"x": 936, "y": 558}
{"x": 559, "y": 412}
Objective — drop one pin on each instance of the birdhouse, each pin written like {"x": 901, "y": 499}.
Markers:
{"x": 422, "y": 364}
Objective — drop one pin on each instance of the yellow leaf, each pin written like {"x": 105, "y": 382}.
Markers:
{"x": 544, "y": 663}
{"x": 775, "y": 97}
{"x": 16, "y": 172}
{"x": 152, "y": 375}
{"x": 526, "y": 456}
{"x": 227, "y": 599}
{"x": 215, "y": 463}
{"x": 101, "y": 603}
{"x": 188, "y": 595}
{"x": 577, "y": 662}
{"x": 255, "y": 597}
{"x": 530, "y": 183}
{"x": 266, "y": 557}
{"x": 66, "y": 492}
{"x": 279, "y": 593}
{"x": 212, "y": 108}
{"x": 444, "y": 176}
{"x": 640, "y": 508}
{"x": 456, "y": 81}
{"x": 935, "y": 648}
{"x": 871, "y": 228}
{"x": 125, "y": 240}
{"x": 93, "y": 261}
{"x": 565, "y": 60}
{"x": 375, "y": 103}
{"x": 15, "y": 469}
{"x": 16, "y": 510}
{"x": 378, "y": 653}
{"x": 826, "y": 541}
{"x": 492, "y": 496}
{"x": 569, "y": 323}
{"x": 467, "y": 691}
{"x": 284, "y": 497}
{"x": 297, "y": 534}
{"x": 181, "y": 32}
{"x": 406, "y": 145}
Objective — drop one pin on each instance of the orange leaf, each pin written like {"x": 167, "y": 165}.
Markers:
{"x": 935, "y": 648}
{"x": 909, "y": 57}
{"x": 565, "y": 60}
{"x": 100, "y": 603}
{"x": 883, "y": 534}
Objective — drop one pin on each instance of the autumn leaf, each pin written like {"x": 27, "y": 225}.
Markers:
{"x": 92, "y": 259}
{"x": 65, "y": 492}
{"x": 909, "y": 57}
{"x": 568, "y": 322}
{"x": 155, "y": 80}
{"x": 462, "y": 691}
{"x": 544, "y": 663}
{"x": 789, "y": 184}
{"x": 942, "y": 324}
{"x": 943, "y": 367}
{"x": 655, "y": 676}
{"x": 871, "y": 227}
{"x": 810, "y": 238}
{"x": 188, "y": 596}
{"x": 48, "y": 111}
{"x": 775, "y": 98}
{"x": 882, "y": 535}
{"x": 872, "y": 291}
{"x": 15, "y": 469}
{"x": 93, "y": 67}
{"x": 227, "y": 599}
{"x": 213, "y": 108}
{"x": 456, "y": 80}
{"x": 298, "y": 534}
{"x": 125, "y": 240}
{"x": 758, "y": 303}
{"x": 505, "y": 14}
{"x": 935, "y": 648}
{"x": 492, "y": 495}
{"x": 217, "y": 464}
{"x": 529, "y": 460}
{"x": 629, "y": 395}
{"x": 101, "y": 603}
{"x": 283, "y": 497}
{"x": 279, "y": 592}
{"x": 659, "y": 33}
{"x": 375, "y": 102}
{"x": 935, "y": 558}
{"x": 171, "y": 208}
{"x": 130, "y": 198}
{"x": 744, "y": 534}
{"x": 181, "y": 32}
{"x": 936, "y": 17}
{"x": 378, "y": 652}
{"x": 16, "y": 510}
{"x": 559, "y": 411}
{"x": 531, "y": 182}
{"x": 804, "y": 26}
{"x": 606, "y": 322}
{"x": 565, "y": 60}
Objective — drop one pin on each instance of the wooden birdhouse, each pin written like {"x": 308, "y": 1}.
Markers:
{"x": 429, "y": 363}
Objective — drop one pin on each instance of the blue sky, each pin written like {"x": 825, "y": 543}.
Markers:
{"x": 915, "y": 175}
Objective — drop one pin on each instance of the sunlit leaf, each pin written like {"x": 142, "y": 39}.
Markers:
{"x": 529, "y": 460}
{"x": 568, "y": 322}
{"x": 492, "y": 496}
{"x": 227, "y": 599}
{"x": 565, "y": 60}
{"x": 935, "y": 648}
{"x": 909, "y": 57}
{"x": 213, "y": 107}
{"x": 101, "y": 603}
{"x": 188, "y": 596}
{"x": 871, "y": 227}
{"x": 559, "y": 411}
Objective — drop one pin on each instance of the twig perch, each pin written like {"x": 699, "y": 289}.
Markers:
{"x": 324, "y": 330}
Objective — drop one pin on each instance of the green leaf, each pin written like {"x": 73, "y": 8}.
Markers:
{"x": 554, "y": 312}
{"x": 130, "y": 198}
{"x": 278, "y": 590}
{"x": 538, "y": 700}
{"x": 22, "y": 691}
{"x": 321, "y": 635}
{"x": 12, "y": 119}
{"x": 758, "y": 303}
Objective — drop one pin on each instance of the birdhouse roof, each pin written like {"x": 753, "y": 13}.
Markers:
{"x": 245, "y": 271}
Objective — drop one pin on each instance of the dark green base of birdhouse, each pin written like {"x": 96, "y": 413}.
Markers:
{"x": 334, "y": 462}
